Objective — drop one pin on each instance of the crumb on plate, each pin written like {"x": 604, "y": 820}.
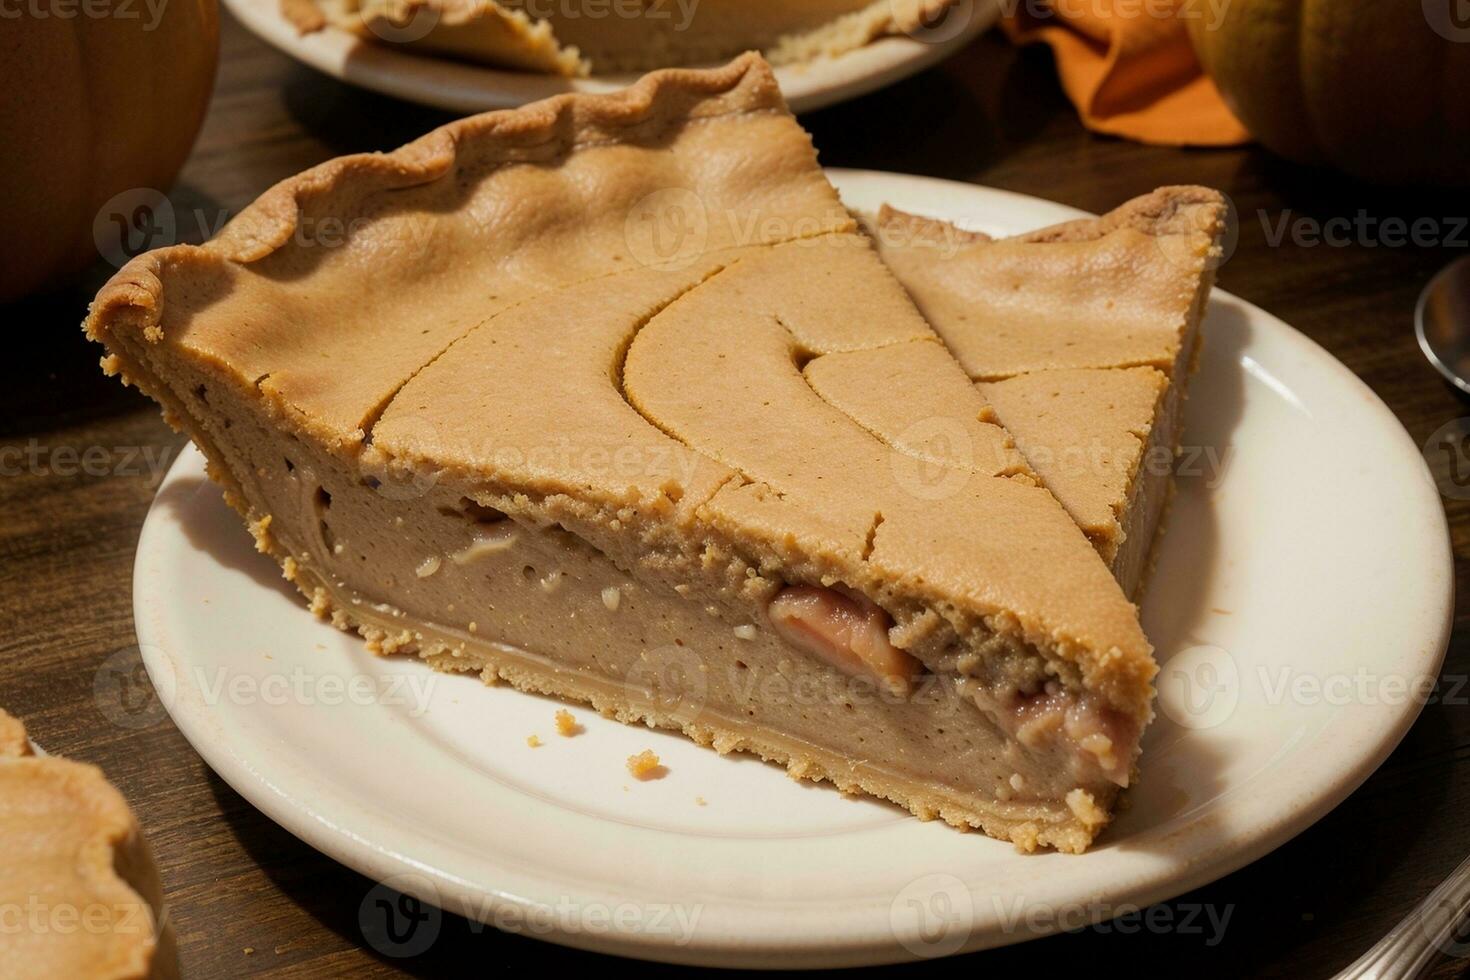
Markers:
{"x": 566, "y": 723}
{"x": 645, "y": 765}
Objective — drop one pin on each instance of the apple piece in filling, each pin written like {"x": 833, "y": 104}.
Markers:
{"x": 844, "y": 629}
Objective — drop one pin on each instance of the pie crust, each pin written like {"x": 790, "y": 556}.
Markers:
{"x": 1082, "y": 338}
{"x": 80, "y": 891}
{"x": 600, "y": 397}
{"x": 579, "y": 38}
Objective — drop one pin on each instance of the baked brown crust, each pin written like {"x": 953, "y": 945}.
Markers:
{"x": 1188, "y": 210}
{"x": 74, "y": 849}
{"x": 242, "y": 275}
{"x": 512, "y": 34}
{"x": 1088, "y": 424}
{"x": 306, "y": 378}
{"x": 542, "y": 131}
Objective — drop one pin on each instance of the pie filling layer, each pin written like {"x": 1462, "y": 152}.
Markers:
{"x": 693, "y": 487}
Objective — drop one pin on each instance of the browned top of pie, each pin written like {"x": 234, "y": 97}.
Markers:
{"x": 527, "y": 300}
{"x": 1114, "y": 291}
{"x": 1073, "y": 332}
{"x": 385, "y": 259}
{"x": 1083, "y": 430}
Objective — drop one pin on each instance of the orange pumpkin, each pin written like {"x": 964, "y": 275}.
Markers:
{"x": 102, "y": 96}
{"x": 1376, "y": 88}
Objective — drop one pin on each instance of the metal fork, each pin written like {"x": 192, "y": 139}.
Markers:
{"x": 1423, "y": 934}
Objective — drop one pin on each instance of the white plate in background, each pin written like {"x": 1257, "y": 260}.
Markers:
{"x": 463, "y": 87}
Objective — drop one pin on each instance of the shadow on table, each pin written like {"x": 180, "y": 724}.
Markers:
{"x": 50, "y": 378}
{"x": 334, "y": 112}
{"x": 1318, "y": 901}
{"x": 978, "y": 107}
{"x": 212, "y": 526}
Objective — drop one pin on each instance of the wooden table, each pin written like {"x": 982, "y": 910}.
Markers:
{"x": 248, "y": 897}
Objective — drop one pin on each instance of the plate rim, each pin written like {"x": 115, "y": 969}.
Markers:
{"x": 466, "y": 88}
{"x": 379, "y": 861}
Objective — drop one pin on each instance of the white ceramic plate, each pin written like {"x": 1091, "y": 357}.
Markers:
{"x": 468, "y": 88}
{"x": 1302, "y": 581}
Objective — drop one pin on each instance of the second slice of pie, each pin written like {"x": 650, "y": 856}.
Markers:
{"x": 573, "y": 38}
{"x": 1082, "y": 337}
{"x": 609, "y": 398}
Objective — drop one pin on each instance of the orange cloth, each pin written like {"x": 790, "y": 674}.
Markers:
{"x": 1129, "y": 68}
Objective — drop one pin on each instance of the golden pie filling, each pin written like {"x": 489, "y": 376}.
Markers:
{"x": 609, "y": 398}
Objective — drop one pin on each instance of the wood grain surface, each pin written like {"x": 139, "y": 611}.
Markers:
{"x": 80, "y": 460}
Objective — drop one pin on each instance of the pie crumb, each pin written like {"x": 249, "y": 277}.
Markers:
{"x": 700, "y": 801}
{"x": 645, "y": 766}
{"x": 534, "y": 741}
{"x": 1085, "y": 808}
{"x": 566, "y": 723}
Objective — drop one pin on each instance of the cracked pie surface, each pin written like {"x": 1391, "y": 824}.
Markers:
{"x": 609, "y": 398}
{"x": 1082, "y": 337}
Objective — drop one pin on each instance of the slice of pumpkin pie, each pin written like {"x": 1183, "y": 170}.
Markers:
{"x": 609, "y": 398}
{"x": 578, "y": 37}
{"x": 78, "y": 885}
{"x": 1082, "y": 337}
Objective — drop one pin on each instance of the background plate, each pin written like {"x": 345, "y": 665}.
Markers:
{"x": 1304, "y": 583}
{"x": 467, "y": 88}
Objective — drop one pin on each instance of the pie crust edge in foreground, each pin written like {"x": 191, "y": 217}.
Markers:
{"x": 81, "y": 883}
